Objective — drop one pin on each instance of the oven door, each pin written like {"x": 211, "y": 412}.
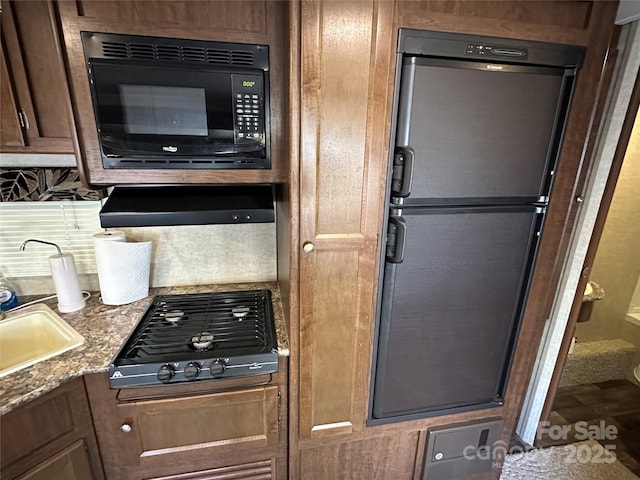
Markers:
{"x": 178, "y": 116}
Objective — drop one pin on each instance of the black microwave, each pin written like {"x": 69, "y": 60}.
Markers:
{"x": 166, "y": 103}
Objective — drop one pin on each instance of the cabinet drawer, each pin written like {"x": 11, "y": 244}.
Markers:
{"x": 182, "y": 428}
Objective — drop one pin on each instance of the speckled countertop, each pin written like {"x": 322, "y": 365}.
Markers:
{"x": 105, "y": 328}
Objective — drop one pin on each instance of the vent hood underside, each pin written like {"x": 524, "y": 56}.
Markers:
{"x": 148, "y": 206}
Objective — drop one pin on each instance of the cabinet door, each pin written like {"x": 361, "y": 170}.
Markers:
{"x": 58, "y": 424}
{"x": 35, "y": 69}
{"x": 344, "y": 138}
{"x": 70, "y": 464}
{"x": 170, "y": 436}
{"x": 10, "y": 128}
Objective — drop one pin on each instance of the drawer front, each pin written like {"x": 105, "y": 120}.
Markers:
{"x": 177, "y": 430}
{"x": 261, "y": 470}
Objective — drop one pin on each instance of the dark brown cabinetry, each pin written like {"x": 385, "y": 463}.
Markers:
{"x": 70, "y": 464}
{"x": 34, "y": 99}
{"x": 247, "y": 21}
{"x": 51, "y": 438}
{"x": 343, "y": 100}
{"x": 345, "y": 75}
{"x": 201, "y": 429}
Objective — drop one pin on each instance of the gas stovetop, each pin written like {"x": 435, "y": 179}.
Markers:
{"x": 200, "y": 336}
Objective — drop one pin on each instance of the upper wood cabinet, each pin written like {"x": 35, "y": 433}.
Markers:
{"x": 245, "y": 21}
{"x": 34, "y": 99}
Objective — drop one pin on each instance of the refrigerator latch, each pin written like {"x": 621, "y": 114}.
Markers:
{"x": 395, "y": 239}
{"x": 402, "y": 172}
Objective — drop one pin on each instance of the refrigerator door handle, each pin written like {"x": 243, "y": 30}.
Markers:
{"x": 402, "y": 173}
{"x": 396, "y": 234}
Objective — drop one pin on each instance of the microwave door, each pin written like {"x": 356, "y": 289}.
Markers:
{"x": 141, "y": 102}
{"x": 149, "y": 114}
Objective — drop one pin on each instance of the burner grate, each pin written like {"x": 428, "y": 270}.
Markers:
{"x": 193, "y": 326}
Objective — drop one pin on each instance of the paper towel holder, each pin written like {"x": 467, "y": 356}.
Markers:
{"x": 65, "y": 279}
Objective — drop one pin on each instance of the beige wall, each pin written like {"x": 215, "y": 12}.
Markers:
{"x": 201, "y": 254}
{"x": 617, "y": 264}
{"x": 191, "y": 255}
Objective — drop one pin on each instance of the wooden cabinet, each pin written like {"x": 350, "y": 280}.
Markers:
{"x": 345, "y": 75}
{"x": 34, "y": 98}
{"x": 51, "y": 438}
{"x": 245, "y": 21}
{"x": 166, "y": 432}
{"x": 70, "y": 464}
{"x": 346, "y": 68}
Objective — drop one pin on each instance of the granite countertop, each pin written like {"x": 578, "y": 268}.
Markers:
{"x": 105, "y": 328}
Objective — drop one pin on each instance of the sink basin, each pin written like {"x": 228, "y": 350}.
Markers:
{"x": 588, "y": 289}
{"x": 33, "y": 334}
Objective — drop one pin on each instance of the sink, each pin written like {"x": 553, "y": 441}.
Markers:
{"x": 588, "y": 290}
{"x": 33, "y": 334}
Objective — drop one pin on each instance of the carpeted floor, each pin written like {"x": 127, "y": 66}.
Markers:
{"x": 577, "y": 461}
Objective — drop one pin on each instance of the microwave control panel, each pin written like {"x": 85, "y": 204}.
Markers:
{"x": 248, "y": 108}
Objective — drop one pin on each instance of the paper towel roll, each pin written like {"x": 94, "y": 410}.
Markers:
{"x": 116, "y": 235}
{"x": 123, "y": 267}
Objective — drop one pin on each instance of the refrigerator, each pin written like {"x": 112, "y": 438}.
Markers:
{"x": 478, "y": 126}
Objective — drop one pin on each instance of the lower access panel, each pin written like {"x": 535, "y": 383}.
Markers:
{"x": 451, "y": 304}
{"x": 457, "y": 451}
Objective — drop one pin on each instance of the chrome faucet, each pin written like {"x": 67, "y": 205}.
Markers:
{"x": 24, "y": 244}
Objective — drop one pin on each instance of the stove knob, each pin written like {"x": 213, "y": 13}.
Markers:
{"x": 191, "y": 371}
{"x": 166, "y": 373}
{"x": 217, "y": 368}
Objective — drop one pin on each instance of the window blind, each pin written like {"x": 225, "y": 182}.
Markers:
{"x": 69, "y": 224}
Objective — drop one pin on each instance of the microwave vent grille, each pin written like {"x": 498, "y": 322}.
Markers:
{"x": 215, "y": 55}
{"x": 150, "y": 51}
{"x": 241, "y": 58}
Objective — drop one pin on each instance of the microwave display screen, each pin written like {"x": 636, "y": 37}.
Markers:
{"x": 157, "y": 110}
{"x": 143, "y": 108}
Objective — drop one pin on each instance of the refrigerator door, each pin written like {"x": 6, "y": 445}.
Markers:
{"x": 451, "y": 306}
{"x": 482, "y": 132}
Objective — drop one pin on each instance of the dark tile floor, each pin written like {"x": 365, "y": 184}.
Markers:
{"x": 607, "y": 409}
